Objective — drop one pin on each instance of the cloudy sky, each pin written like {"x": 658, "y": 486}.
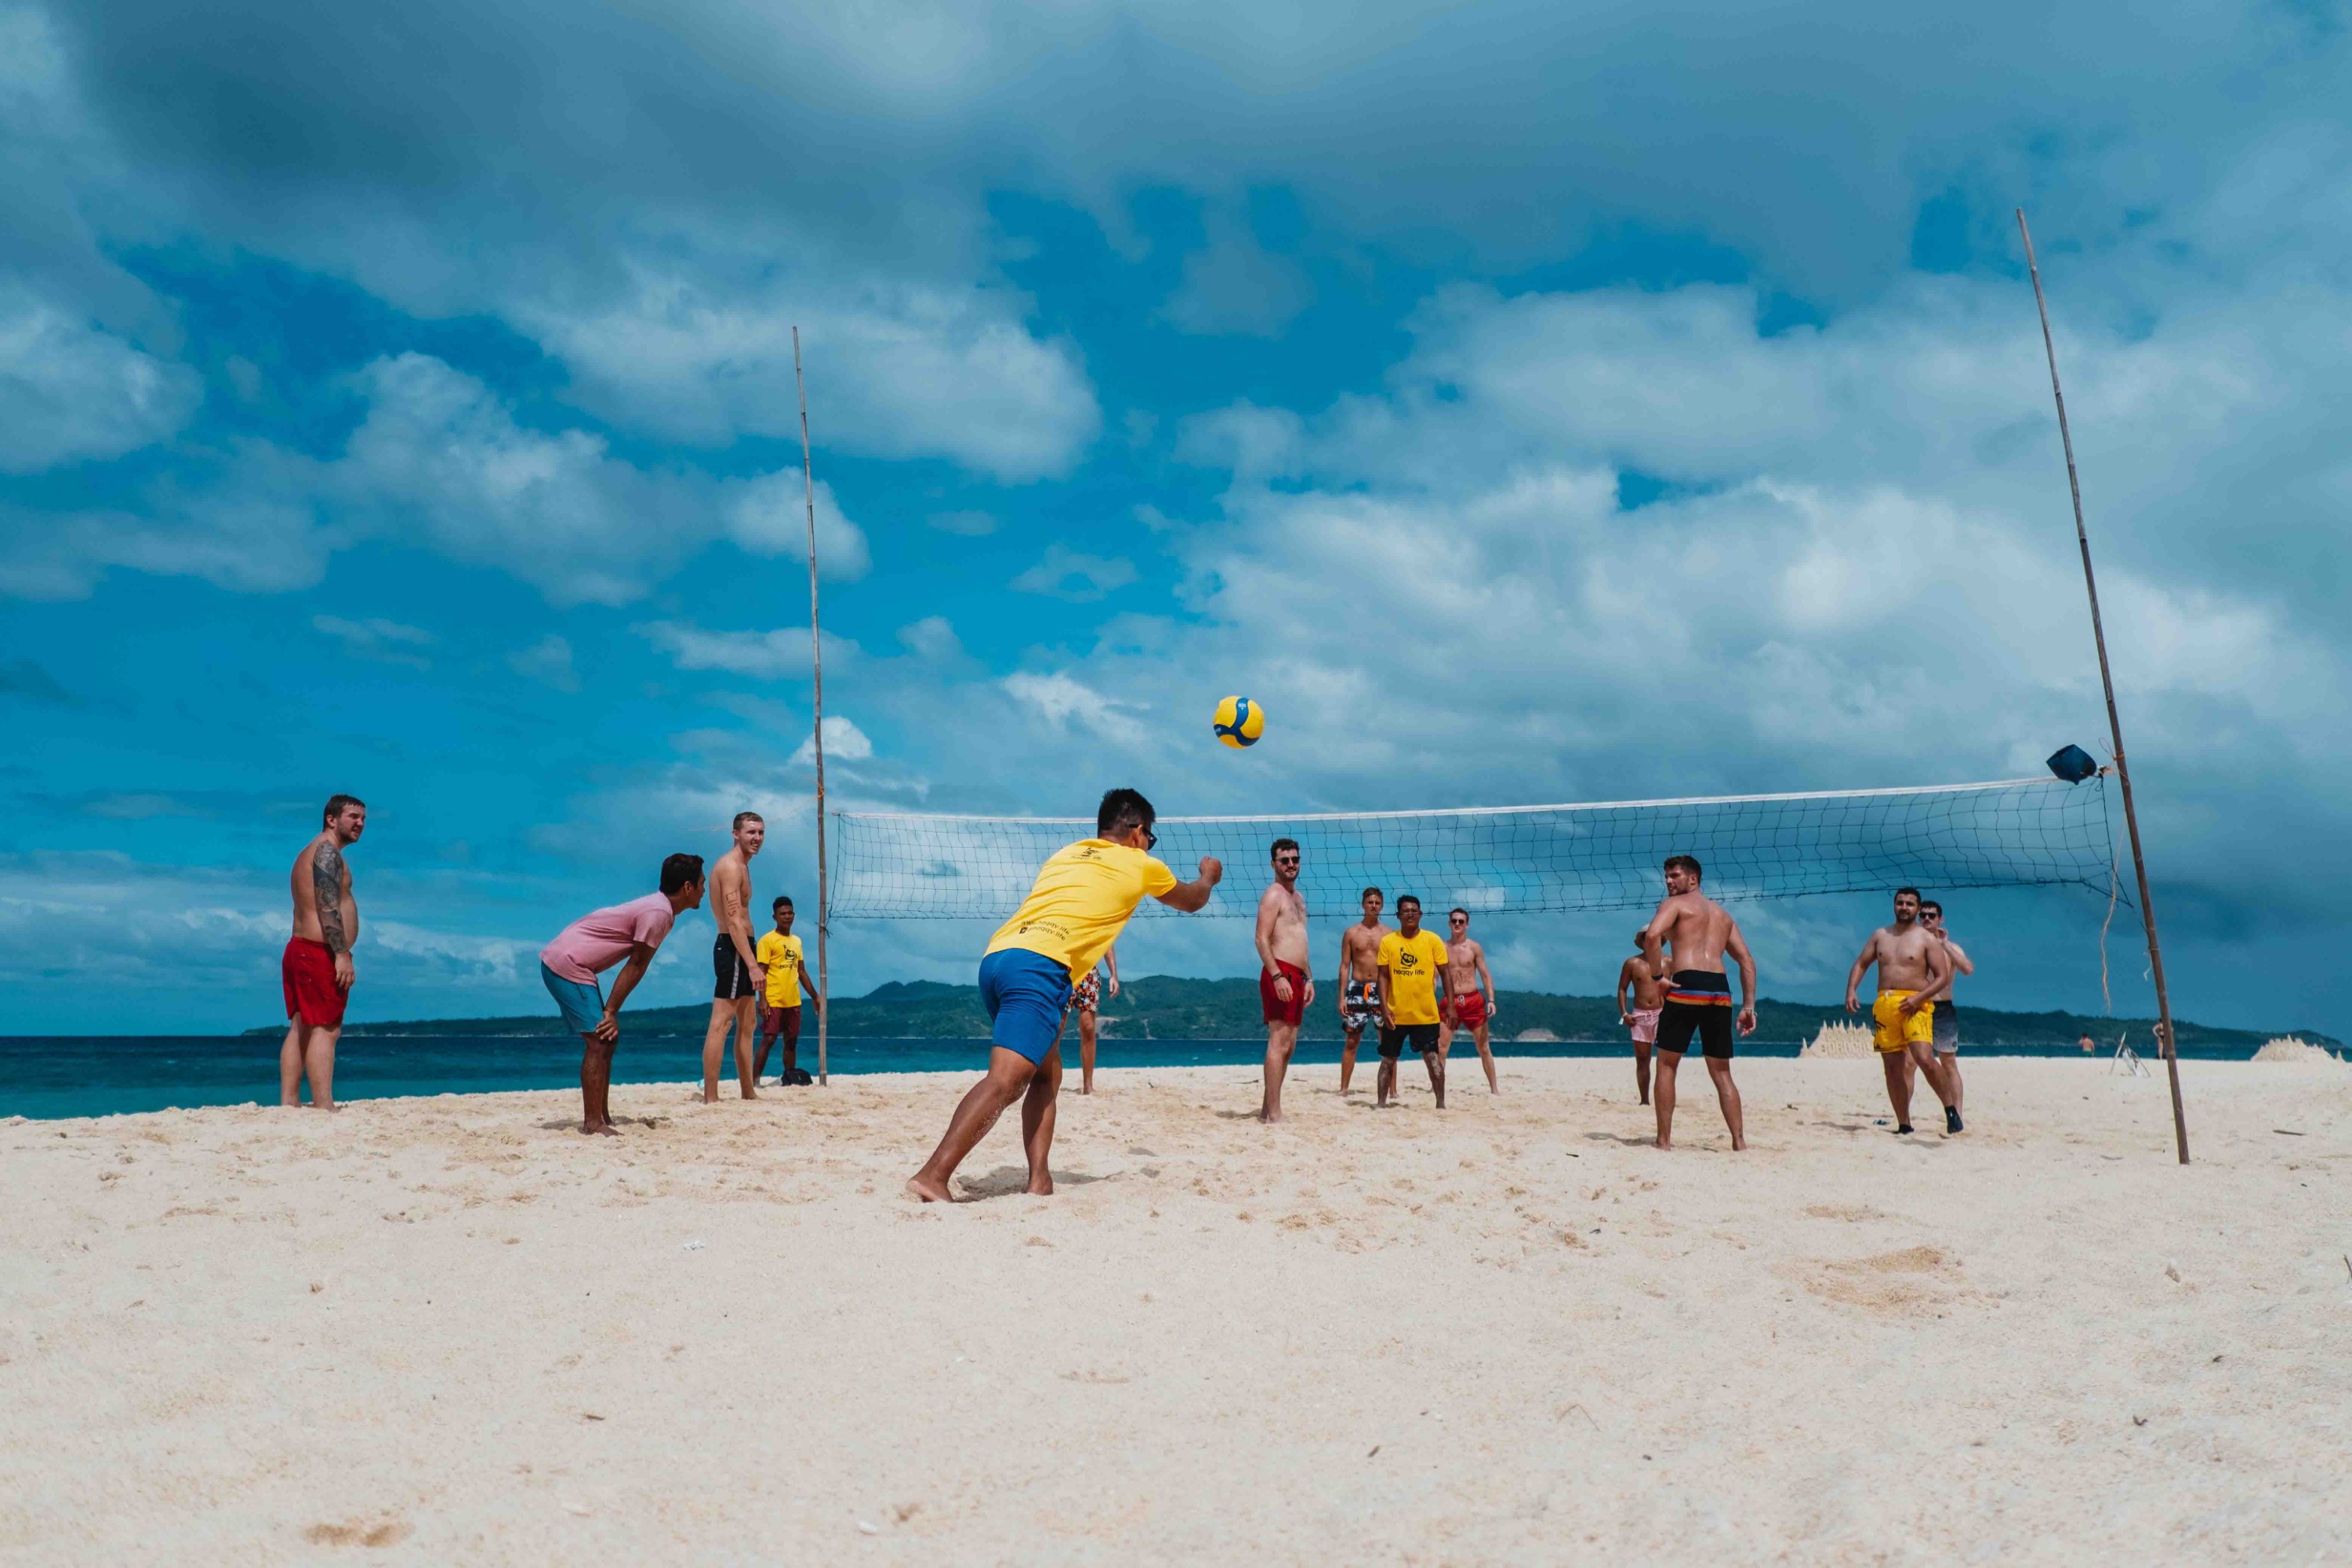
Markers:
{"x": 1525, "y": 402}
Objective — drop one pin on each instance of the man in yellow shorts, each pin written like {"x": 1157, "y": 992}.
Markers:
{"x": 1911, "y": 965}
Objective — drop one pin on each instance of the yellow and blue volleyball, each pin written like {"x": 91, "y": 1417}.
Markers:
{"x": 1239, "y": 721}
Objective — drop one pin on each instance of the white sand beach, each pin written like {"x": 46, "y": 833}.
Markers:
{"x": 452, "y": 1331}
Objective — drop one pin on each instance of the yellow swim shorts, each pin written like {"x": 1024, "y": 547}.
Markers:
{"x": 1894, "y": 1031}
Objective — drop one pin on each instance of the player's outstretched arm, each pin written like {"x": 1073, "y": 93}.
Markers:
{"x": 1193, "y": 896}
{"x": 1853, "y": 976}
{"x": 1736, "y": 947}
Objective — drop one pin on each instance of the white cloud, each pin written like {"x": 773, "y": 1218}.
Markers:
{"x": 548, "y": 659}
{"x": 1061, "y": 700}
{"x": 70, "y": 393}
{"x": 779, "y": 654}
{"x": 1067, "y": 574}
{"x": 769, "y": 516}
{"x": 914, "y": 369}
{"x": 385, "y": 642}
{"x": 844, "y": 742}
{"x": 932, "y": 637}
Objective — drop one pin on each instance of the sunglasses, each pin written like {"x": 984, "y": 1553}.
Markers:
{"x": 1150, "y": 839}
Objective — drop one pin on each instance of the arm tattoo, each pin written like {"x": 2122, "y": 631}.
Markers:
{"x": 327, "y": 887}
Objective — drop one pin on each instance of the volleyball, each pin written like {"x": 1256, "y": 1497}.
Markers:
{"x": 1239, "y": 721}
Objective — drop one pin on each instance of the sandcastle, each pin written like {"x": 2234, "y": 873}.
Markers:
{"x": 2288, "y": 1049}
{"x": 1840, "y": 1039}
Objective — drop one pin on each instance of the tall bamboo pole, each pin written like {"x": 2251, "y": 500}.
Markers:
{"x": 817, "y": 674}
{"x": 2114, "y": 724}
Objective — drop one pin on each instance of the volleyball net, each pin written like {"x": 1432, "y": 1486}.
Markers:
{"x": 1520, "y": 858}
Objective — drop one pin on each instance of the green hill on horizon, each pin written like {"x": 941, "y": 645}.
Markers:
{"x": 1173, "y": 1007}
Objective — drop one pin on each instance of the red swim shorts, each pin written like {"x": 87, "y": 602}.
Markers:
{"x": 311, "y": 994}
{"x": 1469, "y": 1009}
{"x": 1276, "y": 1009}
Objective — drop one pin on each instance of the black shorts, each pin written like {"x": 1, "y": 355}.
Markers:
{"x": 1699, "y": 1002}
{"x": 1422, "y": 1036}
{"x": 734, "y": 978}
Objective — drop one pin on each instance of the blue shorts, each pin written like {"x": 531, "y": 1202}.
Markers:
{"x": 1025, "y": 994}
{"x": 583, "y": 1005}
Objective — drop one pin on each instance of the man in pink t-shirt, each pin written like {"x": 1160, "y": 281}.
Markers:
{"x": 593, "y": 943}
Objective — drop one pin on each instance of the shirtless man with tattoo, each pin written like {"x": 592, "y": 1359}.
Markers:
{"x": 1470, "y": 991}
{"x": 1641, "y": 993}
{"x": 1913, "y": 968}
{"x": 1700, "y": 932}
{"x": 1284, "y": 990}
{"x": 317, "y": 965}
{"x": 1359, "y": 982}
{"x": 734, "y": 964}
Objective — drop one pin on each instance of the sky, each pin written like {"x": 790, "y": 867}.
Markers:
{"x": 1522, "y": 402}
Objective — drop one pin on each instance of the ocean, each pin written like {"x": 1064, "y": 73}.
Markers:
{"x": 46, "y": 1077}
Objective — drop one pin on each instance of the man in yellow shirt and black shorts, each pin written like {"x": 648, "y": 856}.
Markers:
{"x": 1081, "y": 900}
{"x": 786, "y": 968}
{"x": 1413, "y": 986}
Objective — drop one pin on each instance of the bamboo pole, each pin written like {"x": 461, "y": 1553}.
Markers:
{"x": 2114, "y": 724}
{"x": 817, "y": 674}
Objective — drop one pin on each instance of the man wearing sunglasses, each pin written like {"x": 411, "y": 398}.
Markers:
{"x": 1082, "y": 900}
{"x": 1469, "y": 992}
{"x": 1946, "y": 1024}
{"x": 1284, "y": 990}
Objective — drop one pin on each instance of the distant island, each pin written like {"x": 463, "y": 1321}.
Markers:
{"x": 1169, "y": 1007}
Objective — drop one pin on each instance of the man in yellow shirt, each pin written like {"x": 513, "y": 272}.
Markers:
{"x": 786, "y": 971}
{"x": 1081, "y": 900}
{"x": 1413, "y": 986}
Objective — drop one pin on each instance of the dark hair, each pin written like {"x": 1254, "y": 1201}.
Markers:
{"x": 782, "y": 903}
{"x": 335, "y": 804}
{"x": 1370, "y": 893}
{"x": 1641, "y": 936}
{"x": 680, "y": 869}
{"x": 1458, "y": 910}
{"x": 1121, "y": 812}
{"x": 1687, "y": 864}
{"x": 1404, "y": 899}
{"x": 1282, "y": 844}
{"x": 1926, "y": 904}
{"x": 1912, "y": 892}
{"x": 743, "y": 817}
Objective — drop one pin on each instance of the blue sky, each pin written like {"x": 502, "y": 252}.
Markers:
{"x": 1524, "y": 403}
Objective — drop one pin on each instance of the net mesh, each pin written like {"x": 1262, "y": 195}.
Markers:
{"x": 2017, "y": 833}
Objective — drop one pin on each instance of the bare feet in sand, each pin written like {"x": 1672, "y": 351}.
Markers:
{"x": 599, "y": 1129}
{"x": 930, "y": 1192}
{"x": 1040, "y": 1186}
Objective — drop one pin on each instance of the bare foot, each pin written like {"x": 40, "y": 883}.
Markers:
{"x": 930, "y": 1192}
{"x": 1042, "y": 1186}
{"x": 600, "y": 1129}
{"x": 1662, "y": 1144}
{"x": 1738, "y": 1144}
{"x": 750, "y": 1094}
{"x": 1269, "y": 1118}
{"x": 709, "y": 1095}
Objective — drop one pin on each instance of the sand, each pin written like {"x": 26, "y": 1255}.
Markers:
{"x": 449, "y": 1331}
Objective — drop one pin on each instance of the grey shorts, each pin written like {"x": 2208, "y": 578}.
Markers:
{"x": 1947, "y": 1029}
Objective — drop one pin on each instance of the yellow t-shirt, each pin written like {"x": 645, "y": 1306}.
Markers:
{"x": 783, "y": 958}
{"x": 1415, "y": 961}
{"x": 1081, "y": 901}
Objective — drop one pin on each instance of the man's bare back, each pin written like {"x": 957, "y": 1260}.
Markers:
{"x": 1697, "y": 930}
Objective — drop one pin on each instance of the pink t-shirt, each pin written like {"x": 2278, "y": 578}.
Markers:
{"x": 595, "y": 942}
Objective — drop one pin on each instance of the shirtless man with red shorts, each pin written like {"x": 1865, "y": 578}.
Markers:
{"x": 317, "y": 965}
{"x": 1470, "y": 991}
{"x": 1284, "y": 990}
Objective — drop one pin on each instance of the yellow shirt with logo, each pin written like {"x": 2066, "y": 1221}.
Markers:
{"x": 1415, "y": 962}
{"x": 1081, "y": 901}
{"x": 782, "y": 956}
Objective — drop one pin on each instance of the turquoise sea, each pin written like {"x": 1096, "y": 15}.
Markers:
{"x": 103, "y": 1075}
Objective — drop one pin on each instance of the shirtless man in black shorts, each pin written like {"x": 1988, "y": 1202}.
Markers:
{"x": 1359, "y": 982}
{"x": 1698, "y": 997}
